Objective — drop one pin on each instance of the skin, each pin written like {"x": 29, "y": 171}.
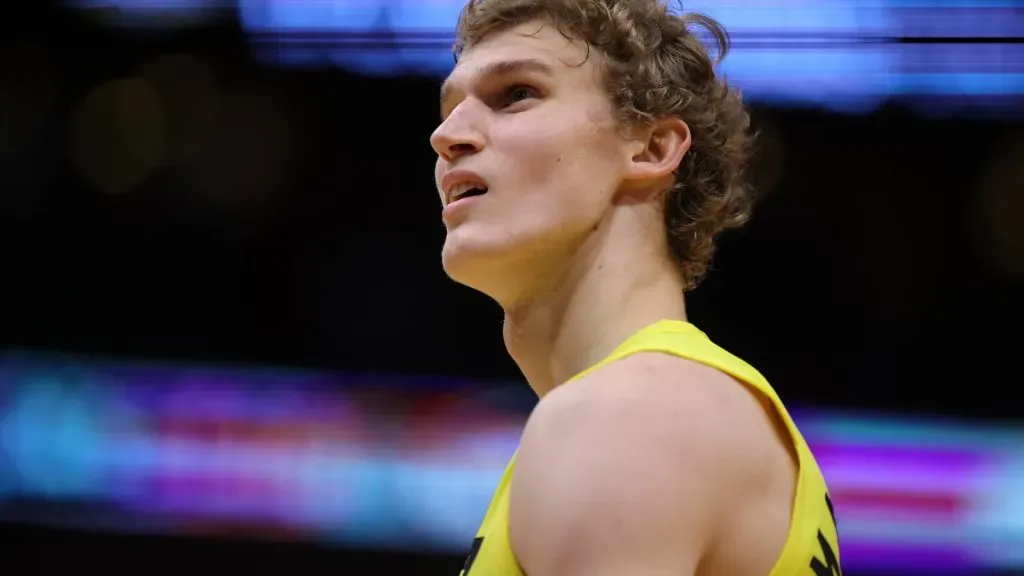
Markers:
{"x": 569, "y": 241}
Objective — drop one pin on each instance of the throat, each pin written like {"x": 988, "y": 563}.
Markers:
{"x": 555, "y": 340}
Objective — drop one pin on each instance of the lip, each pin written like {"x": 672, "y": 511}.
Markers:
{"x": 458, "y": 178}
{"x": 451, "y": 211}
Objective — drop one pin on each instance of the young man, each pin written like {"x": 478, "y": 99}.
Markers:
{"x": 587, "y": 157}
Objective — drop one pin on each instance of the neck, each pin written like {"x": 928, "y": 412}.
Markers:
{"x": 610, "y": 291}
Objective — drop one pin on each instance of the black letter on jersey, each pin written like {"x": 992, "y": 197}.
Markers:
{"x": 830, "y": 567}
{"x": 832, "y": 511}
{"x": 477, "y": 542}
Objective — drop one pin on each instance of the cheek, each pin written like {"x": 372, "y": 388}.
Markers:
{"x": 577, "y": 168}
{"x": 551, "y": 154}
{"x": 566, "y": 159}
{"x": 568, "y": 187}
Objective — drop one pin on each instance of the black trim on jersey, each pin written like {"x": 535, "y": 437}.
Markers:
{"x": 473, "y": 551}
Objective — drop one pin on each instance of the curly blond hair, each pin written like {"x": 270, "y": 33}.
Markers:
{"x": 655, "y": 66}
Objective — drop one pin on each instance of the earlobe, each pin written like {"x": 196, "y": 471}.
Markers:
{"x": 660, "y": 149}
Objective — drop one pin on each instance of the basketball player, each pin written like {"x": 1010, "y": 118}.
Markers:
{"x": 588, "y": 156}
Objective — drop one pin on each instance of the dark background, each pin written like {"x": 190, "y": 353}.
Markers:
{"x": 292, "y": 220}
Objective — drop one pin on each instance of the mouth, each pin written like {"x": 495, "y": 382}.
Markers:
{"x": 468, "y": 191}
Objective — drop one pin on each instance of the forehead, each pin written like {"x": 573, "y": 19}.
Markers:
{"x": 536, "y": 47}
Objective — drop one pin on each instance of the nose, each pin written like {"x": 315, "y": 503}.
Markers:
{"x": 459, "y": 135}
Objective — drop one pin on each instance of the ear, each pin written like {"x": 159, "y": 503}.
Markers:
{"x": 657, "y": 151}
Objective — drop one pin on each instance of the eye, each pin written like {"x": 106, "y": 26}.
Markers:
{"x": 518, "y": 93}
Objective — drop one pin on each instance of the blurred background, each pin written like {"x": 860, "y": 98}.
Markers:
{"x": 225, "y": 335}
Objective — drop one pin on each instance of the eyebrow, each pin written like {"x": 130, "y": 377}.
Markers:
{"x": 500, "y": 68}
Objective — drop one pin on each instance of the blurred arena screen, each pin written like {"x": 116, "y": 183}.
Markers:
{"x": 943, "y": 55}
{"x": 331, "y": 458}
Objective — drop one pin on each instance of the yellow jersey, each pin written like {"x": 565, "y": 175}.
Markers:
{"x": 811, "y": 548}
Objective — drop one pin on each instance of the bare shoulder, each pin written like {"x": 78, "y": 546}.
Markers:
{"x": 657, "y": 404}
{"x": 635, "y": 467}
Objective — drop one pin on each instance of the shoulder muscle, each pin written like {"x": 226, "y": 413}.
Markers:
{"x": 629, "y": 469}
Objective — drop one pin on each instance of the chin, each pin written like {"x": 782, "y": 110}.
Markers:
{"x": 477, "y": 263}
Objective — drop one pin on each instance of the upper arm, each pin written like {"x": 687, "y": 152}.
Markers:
{"x": 623, "y": 474}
